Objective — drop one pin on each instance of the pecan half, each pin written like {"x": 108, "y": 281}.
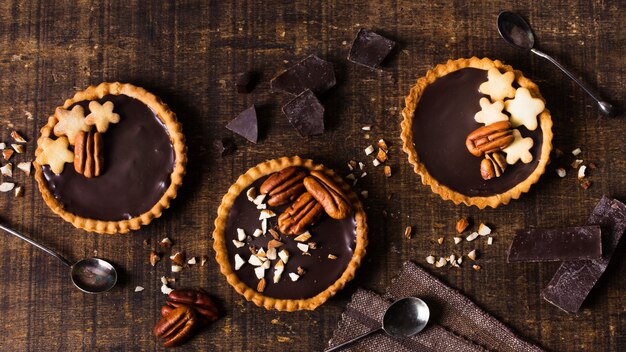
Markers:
{"x": 490, "y": 138}
{"x": 177, "y": 326}
{"x": 198, "y": 300}
{"x": 88, "y": 154}
{"x": 284, "y": 186}
{"x": 492, "y": 166}
{"x": 328, "y": 194}
{"x": 302, "y": 213}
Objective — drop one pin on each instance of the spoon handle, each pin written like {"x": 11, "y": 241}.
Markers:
{"x": 567, "y": 72}
{"x": 338, "y": 347}
{"x": 40, "y": 246}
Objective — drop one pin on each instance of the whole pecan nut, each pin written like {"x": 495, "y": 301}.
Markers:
{"x": 177, "y": 326}
{"x": 196, "y": 299}
{"x": 302, "y": 213}
{"x": 490, "y": 138}
{"x": 283, "y": 186}
{"x": 328, "y": 194}
{"x": 88, "y": 153}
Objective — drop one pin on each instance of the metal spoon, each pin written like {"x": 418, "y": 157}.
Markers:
{"x": 90, "y": 275}
{"x": 403, "y": 318}
{"x": 517, "y": 32}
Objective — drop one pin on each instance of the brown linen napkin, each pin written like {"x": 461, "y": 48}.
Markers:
{"x": 456, "y": 323}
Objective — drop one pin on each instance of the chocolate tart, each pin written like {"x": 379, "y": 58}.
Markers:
{"x": 439, "y": 114}
{"x": 144, "y": 157}
{"x": 345, "y": 239}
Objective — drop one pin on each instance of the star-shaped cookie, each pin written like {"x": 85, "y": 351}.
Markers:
{"x": 491, "y": 112}
{"x": 524, "y": 109}
{"x": 101, "y": 115}
{"x": 519, "y": 149}
{"x": 71, "y": 122}
{"x": 499, "y": 85}
{"x": 55, "y": 153}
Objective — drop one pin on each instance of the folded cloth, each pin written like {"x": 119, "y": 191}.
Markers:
{"x": 456, "y": 323}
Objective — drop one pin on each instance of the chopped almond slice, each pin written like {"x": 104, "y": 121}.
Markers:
{"x": 251, "y": 194}
{"x": 472, "y": 236}
{"x": 261, "y": 286}
{"x": 25, "y": 166}
{"x": 3, "y": 146}
{"x": 279, "y": 267}
{"x": 17, "y": 137}
{"x": 165, "y": 243}
{"x": 18, "y": 148}
{"x": 457, "y": 240}
{"x": 266, "y": 214}
{"x": 387, "y": 171}
{"x": 375, "y": 162}
{"x": 271, "y": 253}
{"x": 257, "y": 233}
{"x": 581, "y": 171}
{"x": 284, "y": 256}
{"x": 19, "y": 191}
{"x": 241, "y": 235}
{"x": 383, "y": 145}
{"x": 332, "y": 256}
{"x": 238, "y": 244}
{"x": 303, "y": 237}
{"x": 239, "y": 262}
{"x": 303, "y": 247}
{"x": 7, "y": 170}
{"x": 6, "y": 186}
{"x": 361, "y": 165}
{"x": 408, "y": 231}
{"x": 367, "y": 128}
{"x": 462, "y": 224}
{"x": 7, "y": 153}
{"x": 294, "y": 277}
{"x": 254, "y": 260}
{"x": 176, "y": 268}
{"x": 476, "y": 267}
{"x": 490, "y": 241}
{"x": 266, "y": 264}
{"x": 472, "y": 255}
{"x": 274, "y": 244}
{"x": 483, "y": 230}
{"x": 365, "y": 194}
{"x": 430, "y": 259}
{"x": 264, "y": 226}
{"x": 259, "y": 272}
{"x": 259, "y": 199}
{"x": 381, "y": 156}
{"x": 441, "y": 262}
{"x": 369, "y": 150}
{"x": 440, "y": 240}
{"x": 192, "y": 261}
{"x": 576, "y": 151}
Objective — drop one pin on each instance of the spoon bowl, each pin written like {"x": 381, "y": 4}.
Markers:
{"x": 93, "y": 275}
{"x": 406, "y": 317}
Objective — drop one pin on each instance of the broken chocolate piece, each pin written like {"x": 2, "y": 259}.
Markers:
{"x": 224, "y": 146}
{"x": 246, "y": 125}
{"x": 246, "y": 82}
{"x": 306, "y": 114}
{"x": 574, "y": 243}
{"x": 370, "y": 49}
{"x": 311, "y": 73}
{"x": 574, "y": 280}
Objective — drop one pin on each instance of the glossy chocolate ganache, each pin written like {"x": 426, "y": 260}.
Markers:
{"x": 443, "y": 118}
{"x": 138, "y": 161}
{"x": 337, "y": 237}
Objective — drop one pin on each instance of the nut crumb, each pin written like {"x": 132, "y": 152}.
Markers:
{"x": 369, "y": 150}
{"x": 472, "y": 255}
{"x": 430, "y": 259}
{"x": 457, "y": 240}
{"x": 585, "y": 184}
{"x": 561, "y": 172}
{"x": 476, "y": 267}
{"x": 139, "y": 289}
{"x": 462, "y": 224}
{"x": 408, "y": 232}
{"x": 387, "y": 171}
{"x": 490, "y": 241}
{"x": 440, "y": 240}
{"x": 203, "y": 260}
{"x": 154, "y": 258}
{"x": 332, "y": 256}
{"x": 576, "y": 151}
{"x": 283, "y": 339}
{"x": 165, "y": 243}
{"x": 472, "y": 236}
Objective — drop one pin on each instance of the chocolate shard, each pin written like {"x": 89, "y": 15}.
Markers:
{"x": 246, "y": 125}
{"x": 224, "y": 146}
{"x": 306, "y": 114}
{"x": 310, "y": 73}
{"x": 574, "y": 243}
{"x": 573, "y": 281}
{"x": 246, "y": 81}
{"x": 370, "y": 49}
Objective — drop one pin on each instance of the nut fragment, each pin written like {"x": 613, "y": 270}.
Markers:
{"x": 561, "y": 172}
{"x": 462, "y": 224}
{"x": 18, "y": 148}
{"x": 6, "y": 186}
{"x": 19, "y": 191}
{"x": 441, "y": 262}
{"x": 294, "y": 277}
{"x": 472, "y": 255}
{"x": 176, "y": 268}
{"x": 251, "y": 194}
{"x": 17, "y": 137}
{"x": 581, "y": 172}
{"x": 25, "y": 166}
{"x": 7, "y": 153}
{"x": 203, "y": 260}
{"x": 430, "y": 259}
{"x": 178, "y": 258}
{"x": 305, "y": 236}
{"x": 154, "y": 258}
{"x": 284, "y": 256}
{"x": 381, "y": 155}
{"x": 457, "y": 240}
{"x": 7, "y": 170}
{"x": 440, "y": 240}
{"x": 407, "y": 232}
{"x": 483, "y": 229}
{"x": 576, "y": 151}
{"x": 383, "y": 145}
{"x": 274, "y": 244}
{"x": 303, "y": 247}
{"x": 165, "y": 243}
{"x": 369, "y": 150}
{"x": 261, "y": 286}
{"x": 476, "y": 267}
{"x": 332, "y": 256}
{"x": 192, "y": 261}
{"x": 472, "y": 236}
{"x": 279, "y": 267}
{"x": 387, "y": 171}
{"x": 274, "y": 234}
{"x": 239, "y": 262}
{"x": 490, "y": 241}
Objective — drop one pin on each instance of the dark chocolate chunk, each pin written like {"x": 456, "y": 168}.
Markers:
{"x": 574, "y": 243}
{"x": 370, "y": 49}
{"x": 573, "y": 281}
{"x": 246, "y": 125}
{"x": 246, "y": 82}
{"x": 306, "y": 114}
{"x": 224, "y": 146}
{"x": 311, "y": 73}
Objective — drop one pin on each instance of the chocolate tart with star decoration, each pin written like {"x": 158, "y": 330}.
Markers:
{"x": 438, "y": 121}
{"x": 112, "y": 175}
{"x": 264, "y": 253}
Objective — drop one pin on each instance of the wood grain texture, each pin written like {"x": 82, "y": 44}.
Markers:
{"x": 188, "y": 53}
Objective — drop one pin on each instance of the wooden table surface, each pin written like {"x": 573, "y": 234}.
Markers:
{"x": 189, "y": 52}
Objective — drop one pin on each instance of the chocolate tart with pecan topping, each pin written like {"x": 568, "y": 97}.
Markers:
{"x": 129, "y": 158}
{"x": 289, "y": 234}
{"x": 458, "y": 156}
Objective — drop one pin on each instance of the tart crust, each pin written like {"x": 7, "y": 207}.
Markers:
{"x": 221, "y": 252}
{"x": 411, "y": 101}
{"x": 174, "y": 129}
